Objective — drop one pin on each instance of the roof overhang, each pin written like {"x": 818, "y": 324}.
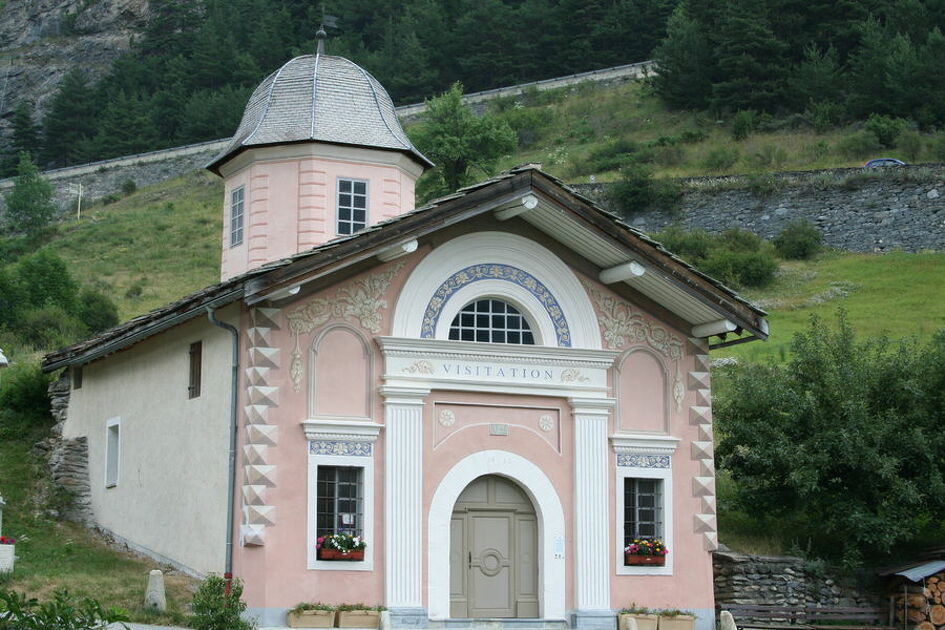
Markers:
{"x": 620, "y": 253}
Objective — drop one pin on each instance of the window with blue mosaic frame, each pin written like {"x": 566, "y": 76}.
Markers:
{"x": 493, "y": 321}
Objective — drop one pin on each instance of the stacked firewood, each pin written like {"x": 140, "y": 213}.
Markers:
{"x": 922, "y": 606}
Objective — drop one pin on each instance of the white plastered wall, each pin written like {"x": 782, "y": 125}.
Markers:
{"x": 170, "y": 499}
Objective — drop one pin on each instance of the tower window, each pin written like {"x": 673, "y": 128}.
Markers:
{"x": 352, "y": 206}
{"x": 493, "y": 321}
{"x": 236, "y": 217}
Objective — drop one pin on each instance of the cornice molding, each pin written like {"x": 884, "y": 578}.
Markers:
{"x": 644, "y": 444}
{"x": 351, "y": 430}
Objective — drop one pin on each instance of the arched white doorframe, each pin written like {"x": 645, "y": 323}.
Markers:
{"x": 551, "y": 569}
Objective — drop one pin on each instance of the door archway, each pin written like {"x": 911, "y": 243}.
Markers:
{"x": 493, "y": 551}
{"x": 549, "y": 515}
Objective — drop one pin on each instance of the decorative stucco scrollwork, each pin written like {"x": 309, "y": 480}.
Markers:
{"x": 361, "y": 301}
{"x": 622, "y": 326}
{"x": 495, "y": 271}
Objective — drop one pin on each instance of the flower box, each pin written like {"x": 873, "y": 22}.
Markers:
{"x": 643, "y": 621}
{"x": 334, "y": 554}
{"x": 312, "y": 619}
{"x": 359, "y": 618}
{"x": 632, "y": 559}
{"x": 7, "y": 557}
{"x": 677, "y": 622}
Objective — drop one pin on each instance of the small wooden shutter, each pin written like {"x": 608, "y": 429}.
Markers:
{"x": 196, "y": 351}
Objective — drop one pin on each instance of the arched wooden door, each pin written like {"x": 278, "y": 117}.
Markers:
{"x": 493, "y": 551}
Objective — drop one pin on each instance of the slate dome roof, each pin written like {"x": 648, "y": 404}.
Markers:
{"x": 320, "y": 98}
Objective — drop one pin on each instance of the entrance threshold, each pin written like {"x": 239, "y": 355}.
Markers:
{"x": 500, "y": 623}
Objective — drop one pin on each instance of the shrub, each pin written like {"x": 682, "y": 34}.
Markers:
{"x": 670, "y": 155}
{"x": 743, "y": 124}
{"x": 637, "y": 190}
{"x": 50, "y": 327}
{"x": 824, "y": 115}
{"x": 610, "y": 157}
{"x": 692, "y": 137}
{"x": 937, "y": 147}
{"x": 800, "y": 240}
{"x": 771, "y": 156}
{"x": 63, "y": 612}
{"x": 129, "y": 186}
{"x": 214, "y": 610}
{"x": 885, "y": 128}
{"x": 24, "y": 392}
{"x": 763, "y": 186}
{"x": 110, "y": 198}
{"x": 97, "y": 311}
{"x": 738, "y": 240}
{"x": 720, "y": 159}
{"x": 859, "y": 144}
{"x": 910, "y": 143}
{"x": 692, "y": 245}
{"x": 745, "y": 269}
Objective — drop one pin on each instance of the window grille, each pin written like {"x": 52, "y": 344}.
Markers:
{"x": 236, "y": 217}
{"x": 643, "y": 509}
{"x": 340, "y": 501}
{"x": 493, "y": 321}
{"x": 196, "y": 359}
{"x": 352, "y": 206}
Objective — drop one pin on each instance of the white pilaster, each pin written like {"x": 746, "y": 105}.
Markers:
{"x": 403, "y": 496}
{"x": 591, "y": 505}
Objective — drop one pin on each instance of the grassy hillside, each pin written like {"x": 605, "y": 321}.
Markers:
{"x": 564, "y": 128}
{"x": 54, "y": 554}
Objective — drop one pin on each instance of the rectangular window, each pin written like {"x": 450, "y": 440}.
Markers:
{"x": 352, "y": 206}
{"x": 77, "y": 377}
{"x": 642, "y": 509}
{"x": 340, "y": 501}
{"x": 196, "y": 358}
{"x": 236, "y": 217}
{"x": 112, "y": 453}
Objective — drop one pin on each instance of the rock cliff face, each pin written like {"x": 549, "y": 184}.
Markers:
{"x": 41, "y": 40}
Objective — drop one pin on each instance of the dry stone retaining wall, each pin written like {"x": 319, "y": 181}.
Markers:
{"x": 858, "y": 210}
{"x": 783, "y": 580}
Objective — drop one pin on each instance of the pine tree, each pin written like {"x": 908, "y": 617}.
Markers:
{"x": 26, "y": 137}
{"x": 70, "y": 121}
{"x": 29, "y": 203}
{"x": 750, "y": 59}
{"x": 685, "y": 63}
{"x": 126, "y": 127}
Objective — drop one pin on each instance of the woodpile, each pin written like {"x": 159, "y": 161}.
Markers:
{"x": 922, "y": 606}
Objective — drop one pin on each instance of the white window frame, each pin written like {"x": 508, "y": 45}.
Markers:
{"x": 242, "y": 216}
{"x": 367, "y": 207}
{"x": 644, "y": 446}
{"x": 543, "y": 329}
{"x": 475, "y": 328}
{"x": 341, "y": 430}
{"x": 112, "y": 426}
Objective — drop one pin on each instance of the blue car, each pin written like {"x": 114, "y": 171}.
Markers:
{"x": 878, "y": 162}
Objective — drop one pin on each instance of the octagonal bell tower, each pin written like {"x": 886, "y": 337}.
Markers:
{"x": 319, "y": 154}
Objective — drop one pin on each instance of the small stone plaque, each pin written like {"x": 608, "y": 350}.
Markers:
{"x": 498, "y": 429}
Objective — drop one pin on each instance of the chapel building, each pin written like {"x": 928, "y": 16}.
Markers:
{"x": 497, "y": 392}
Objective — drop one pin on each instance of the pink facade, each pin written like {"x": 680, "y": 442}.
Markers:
{"x": 289, "y": 205}
{"x": 344, "y": 376}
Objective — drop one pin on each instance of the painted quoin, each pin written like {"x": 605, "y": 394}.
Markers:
{"x": 496, "y": 392}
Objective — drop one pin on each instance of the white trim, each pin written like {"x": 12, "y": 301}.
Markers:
{"x": 367, "y": 480}
{"x": 341, "y": 429}
{"x": 242, "y": 190}
{"x": 666, "y": 475}
{"x": 644, "y": 444}
{"x": 499, "y": 248}
{"x": 109, "y": 425}
{"x": 543, "y": 329}
{"x": 548, "y": 510}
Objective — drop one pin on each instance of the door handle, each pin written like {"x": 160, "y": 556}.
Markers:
{"x": 470, "y": 560}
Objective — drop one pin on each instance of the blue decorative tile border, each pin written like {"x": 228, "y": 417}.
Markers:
{"x": 631, "y": 460}
{"x": 342, "y": 448}
{"x": 494, "y": 271}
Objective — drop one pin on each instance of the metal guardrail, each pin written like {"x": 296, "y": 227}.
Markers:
{"x": 157, "y": 155}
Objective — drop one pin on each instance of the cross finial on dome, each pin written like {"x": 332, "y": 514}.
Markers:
{"x": 320, "y": 36}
